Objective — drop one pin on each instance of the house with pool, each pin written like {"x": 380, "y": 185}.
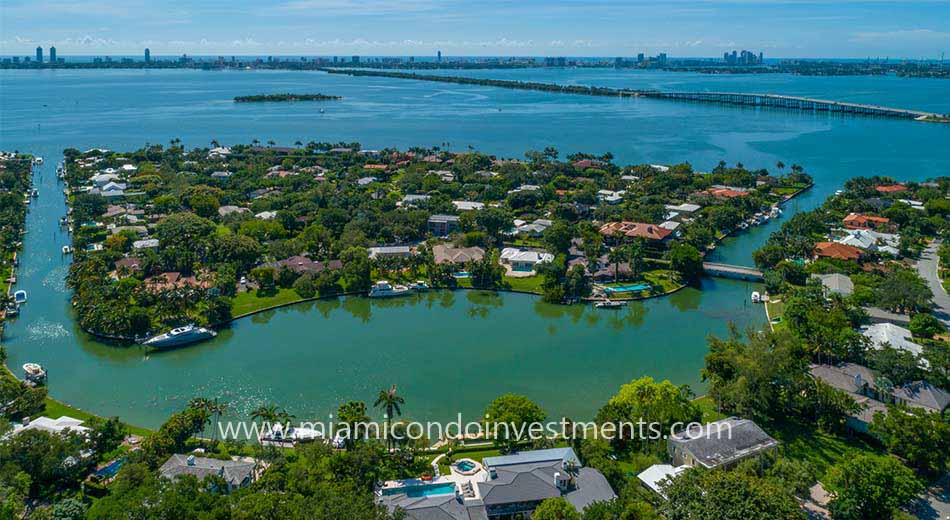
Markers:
{"x": 523, "y": 262}
{"x": 498, "y": 488}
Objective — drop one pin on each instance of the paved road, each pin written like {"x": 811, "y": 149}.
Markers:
{"x": 934, "y": 503}
{"x": 927, "y": 268}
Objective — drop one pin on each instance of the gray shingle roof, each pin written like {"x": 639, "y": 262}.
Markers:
{"x": 234, "y": 472}
{"x": 723, "y": 442}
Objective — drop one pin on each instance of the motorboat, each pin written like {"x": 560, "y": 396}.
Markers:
{"x": 38, "y": 161}
{"x": 19, "y": 297}
{"x": 384, "y": 289}
{"x": 419, "y": 285}
{"x": 756, "y": 297}
{"x": 34, "y": 373}
{"x": 609, "y": 304}
{"x": 34, "y": 193}
{"x": 180, "y": 336}
{"x": 67, "y": 250}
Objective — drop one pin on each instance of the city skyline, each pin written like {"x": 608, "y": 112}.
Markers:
{"x": 689, "y": 28}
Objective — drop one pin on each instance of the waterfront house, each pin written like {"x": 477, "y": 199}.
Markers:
{"x": 223, "y": 175}
{"x": 583, "y": 164}
{"x": 54, "y": 426}
{"x": 505, "y": 487}
{"x": 442, "y": 225}
{"x": 683, "y": 210}
{"x": 837, "y": 251}
{"x": 101, "y": 179}
{"x": 835, "y": 283}
{"x": 449, "y": 254}
{"x": 724, "y": 192}
{"x": 617, "y": 231}
{"x": 523, "y": 260}
{"x": 389, "y": 251}
{"x": 237, "y": 472}
{"x": 861, "y": 221}
{"x": 719, "y": 444}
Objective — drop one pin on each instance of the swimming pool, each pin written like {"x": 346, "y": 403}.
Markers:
{"x": 422, "y": 490}
{"x": 465, "y": 465}
{"x": 461, "y": 274}
{"x": 627, "y": 288}
{"x": 110, "y": 469}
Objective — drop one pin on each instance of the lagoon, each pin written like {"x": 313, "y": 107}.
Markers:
{"x": 449, "y": 352}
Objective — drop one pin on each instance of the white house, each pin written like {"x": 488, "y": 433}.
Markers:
{"x": 524, "y": 260}
{"x": 465, "y": 205}
{"x": 51, "y": 425}
{"x": 898, "y": 337}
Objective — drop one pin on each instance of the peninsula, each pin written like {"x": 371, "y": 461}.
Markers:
{"x": 205, "y": 235}
{"x": 272, "y": 98}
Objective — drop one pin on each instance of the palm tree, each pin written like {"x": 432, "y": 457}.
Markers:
{"x": 635, "y": 255}
{"x": 615, "y": 256}
{"x": 265, "y": 413}
{"x": 780, "y": 165}
{"x": 390, "y": 401}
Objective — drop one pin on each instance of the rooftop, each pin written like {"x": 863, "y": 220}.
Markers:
{"x": 723, "y": 442}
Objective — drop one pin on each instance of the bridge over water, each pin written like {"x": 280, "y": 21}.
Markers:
{"x": 790, "y": 102}
{"x": 736, "y": 272}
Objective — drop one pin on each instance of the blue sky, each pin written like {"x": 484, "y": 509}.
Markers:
{"x": 790, "y": 28}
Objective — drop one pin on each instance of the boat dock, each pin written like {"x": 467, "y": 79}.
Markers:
{"x": 735, "y": 272}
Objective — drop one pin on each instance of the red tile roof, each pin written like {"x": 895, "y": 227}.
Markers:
{"x": 861, "y": 221}
{"x": 891, "y": 188}
{"x": 836, "y": 250}
{"x": 635, "y": 229}
{"x": 724, "y": 193}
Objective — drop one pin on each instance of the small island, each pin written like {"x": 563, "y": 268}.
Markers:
{"x": 275, "y": 98}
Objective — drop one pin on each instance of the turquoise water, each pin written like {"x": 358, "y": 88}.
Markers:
{"x": 448, "y": 352}
{"x": 423, "y": 490}
{"x": 465, "y": 465}
{"x": 626, "y": 288}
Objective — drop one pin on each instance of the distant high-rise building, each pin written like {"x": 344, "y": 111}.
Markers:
{"x": 148, "y": 55}
{"x": 356, "y": 59}
{"x": 662, "y": 58}
{"x": 640, "y": 58}
{"x": 39, "y": 54}
{"x": 52, "y": 54}
{"x": 438, "y": 56}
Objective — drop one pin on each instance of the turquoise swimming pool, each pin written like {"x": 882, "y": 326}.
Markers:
{"x": 627, "y": 288}
{"x": 465, "y": 465}
{"x": 422, "y": 490}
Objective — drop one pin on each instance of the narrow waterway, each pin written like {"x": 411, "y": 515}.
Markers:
{"x": 449, "y": 352}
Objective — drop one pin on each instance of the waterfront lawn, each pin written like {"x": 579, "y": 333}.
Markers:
{"x": 55, "y": 409}
{"x": 531, "y": 284}
{"x": 776, "y": 310}
{"x": 249, "y": 301}
{"x": 805, "y": 442}
{"x": 708, "y": 406}
{"x": 665, "y": 279}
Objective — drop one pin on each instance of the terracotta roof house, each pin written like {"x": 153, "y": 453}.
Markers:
{"x": 892, "y": 188}
{"x": 836, "y": 250}
{"x": 588, "y": 163}
{"x": 724, "y": 193}
{"x": 174, "y": 280}
{"x": 128, "y": 264}
{"x": 861, "y": 221}
{"x": 635, "y": 229}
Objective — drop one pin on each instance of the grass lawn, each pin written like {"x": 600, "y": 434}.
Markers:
{"x": 806, "y": 442}
{"x": 776, "y": 311}
{"x": 708, "y": 406}
{"x": 530, "y": 284}
{"x": 249, "y": 301}
{"x": 663, "y": 278}
{"x": 476, "y": 455}
{"x": 55, "y": 409}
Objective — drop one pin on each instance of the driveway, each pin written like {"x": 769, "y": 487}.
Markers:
{"x": 927, "y": 268}
{"x": 934, "y": 503}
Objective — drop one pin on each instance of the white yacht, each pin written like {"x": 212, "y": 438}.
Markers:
{"x": 38, "y": 161}
{"x": 419, "y": 285}
{"x": 609, "y": 304}
{"x": 384, "y": 289}
{"x": 35, "y": 374}
{"x": 180, "y": 336}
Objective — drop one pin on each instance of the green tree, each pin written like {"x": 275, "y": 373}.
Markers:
{"x": 925, "y": 325}
{"x": 919, "y": 437}
{"x": 509, "y": 417}
{"x": 700, "y": 493}
{"x": 686, "y": 260}
{"x": 869, "y": 486}
{"x": 392, "y": 403}
{"x": 661, "y": 403}
{"x": 556, "y": 508}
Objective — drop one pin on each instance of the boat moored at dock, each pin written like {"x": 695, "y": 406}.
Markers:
{"x": 384, "y": 289}
{"x": 180, "y": 336}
